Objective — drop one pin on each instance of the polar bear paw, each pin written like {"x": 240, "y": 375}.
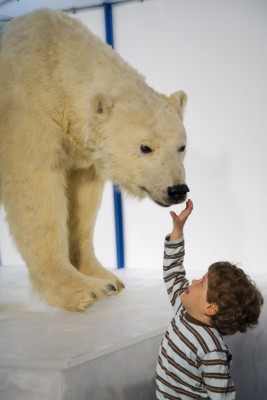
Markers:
{"x": 96, "y": 270}
{"x": 76, "y": 294}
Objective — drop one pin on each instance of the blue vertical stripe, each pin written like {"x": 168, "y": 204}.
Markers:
{"x": 116, "y": 192}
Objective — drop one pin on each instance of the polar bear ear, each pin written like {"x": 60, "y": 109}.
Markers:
{"x": 178, "y": 100}
{"x": 102, "y": 104}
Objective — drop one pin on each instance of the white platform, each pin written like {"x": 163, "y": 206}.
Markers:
{"x": 108, "y": 352}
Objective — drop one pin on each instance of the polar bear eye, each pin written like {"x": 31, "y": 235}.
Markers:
{"x": 181, "y": 149}
{"x": 145, "y": 149}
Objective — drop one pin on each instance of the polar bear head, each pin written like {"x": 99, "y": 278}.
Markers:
{"x": 141, "y": 144}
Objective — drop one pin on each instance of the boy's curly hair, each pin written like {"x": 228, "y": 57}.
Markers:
{"x": 238, "y": 299}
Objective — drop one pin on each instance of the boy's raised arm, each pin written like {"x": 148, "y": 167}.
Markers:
{"x": 173, "y": 269}
{"x": 180, "y": 220}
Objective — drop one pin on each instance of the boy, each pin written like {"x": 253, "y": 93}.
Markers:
{"x": 193, "y": 360}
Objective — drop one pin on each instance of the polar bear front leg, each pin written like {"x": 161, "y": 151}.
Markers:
{"x": 37, "y": 212}
{"x": 85, "y": 190}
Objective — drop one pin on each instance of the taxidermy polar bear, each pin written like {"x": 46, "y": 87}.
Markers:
{"x": 72, "y": 115}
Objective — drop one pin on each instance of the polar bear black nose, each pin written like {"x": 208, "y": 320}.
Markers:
{"x": 177, "y": 191}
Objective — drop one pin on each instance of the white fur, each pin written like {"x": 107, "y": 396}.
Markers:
{"x": 72, "y": 115}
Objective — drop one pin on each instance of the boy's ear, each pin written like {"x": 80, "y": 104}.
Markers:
{"x": 211, "y": 309}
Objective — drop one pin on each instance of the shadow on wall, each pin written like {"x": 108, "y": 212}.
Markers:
{"x": 141, "y": 391}
{"x": 250, "y": 360}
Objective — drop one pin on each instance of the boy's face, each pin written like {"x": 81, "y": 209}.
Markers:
{"x": 194, "y": 300}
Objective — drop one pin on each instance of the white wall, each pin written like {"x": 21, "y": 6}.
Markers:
{"x": 216, "y": 51}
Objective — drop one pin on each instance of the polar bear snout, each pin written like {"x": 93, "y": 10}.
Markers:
{"x": 177, "y": 193}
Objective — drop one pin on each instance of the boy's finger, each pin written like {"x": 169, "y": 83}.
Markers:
{"x": 173, "y": 214}
{"x": 189, "y": 203}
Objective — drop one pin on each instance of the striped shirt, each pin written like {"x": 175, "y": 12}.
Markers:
{"x": 193, "y": 361}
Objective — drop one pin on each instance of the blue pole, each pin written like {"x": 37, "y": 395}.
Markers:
{"x": 116, "y": 192}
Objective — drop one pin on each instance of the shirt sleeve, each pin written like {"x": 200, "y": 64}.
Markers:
{"x": 214, "y": 368}
{"x": 173, "y": 270}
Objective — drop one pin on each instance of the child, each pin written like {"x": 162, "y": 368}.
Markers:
{"x": 193, "y": 360}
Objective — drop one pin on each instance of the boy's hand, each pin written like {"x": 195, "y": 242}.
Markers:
{"x": 180, "y": 220}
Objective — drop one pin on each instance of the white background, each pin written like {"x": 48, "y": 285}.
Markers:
{"x": 215, "y": 50}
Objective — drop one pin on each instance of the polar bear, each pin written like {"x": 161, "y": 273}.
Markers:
{"x": 74, "y": 114}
